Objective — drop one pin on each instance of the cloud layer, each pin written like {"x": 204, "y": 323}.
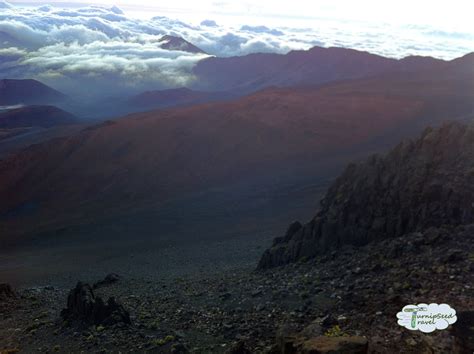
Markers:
{"x": 70, "y": 47}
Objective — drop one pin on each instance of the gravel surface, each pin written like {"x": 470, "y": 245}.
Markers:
{"x": 346, "y": 293}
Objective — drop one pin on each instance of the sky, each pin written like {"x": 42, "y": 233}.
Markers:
{"x": 441, "y": 14}
{"x": 114, "y": 44}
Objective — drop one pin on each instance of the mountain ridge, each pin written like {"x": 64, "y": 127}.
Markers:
{"x": 315, "y": 66}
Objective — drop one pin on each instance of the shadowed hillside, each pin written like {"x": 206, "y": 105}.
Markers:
{"x": 14, "y": 92}
{"x": 35, "y": 116}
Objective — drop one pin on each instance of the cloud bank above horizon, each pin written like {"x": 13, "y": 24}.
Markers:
{"x": 425, "y": 12}
{"x": 67, "y": 46}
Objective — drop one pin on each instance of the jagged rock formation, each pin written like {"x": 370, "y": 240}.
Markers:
{"x": 84, "y": 306}
{"x": 422, "y": 183}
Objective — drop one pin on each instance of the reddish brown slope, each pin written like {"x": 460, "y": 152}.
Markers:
{"x": 151, "y": 157}
{"x": 179, "y": 97}
{"x": 159, "y": 156}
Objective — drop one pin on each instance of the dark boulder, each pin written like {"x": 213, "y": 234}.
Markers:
{"x": 419, "y": 184}
{"x": 179, "y": 348}
{"x": 239, "y": 348}
{"x": 84, "y": 306}
{"x": 285, "y": 339}
{"x": 108, "y": 280}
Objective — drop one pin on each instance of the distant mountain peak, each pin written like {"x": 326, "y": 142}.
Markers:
{"x": 170, "y": 42}
{"x": 27, "y": 91}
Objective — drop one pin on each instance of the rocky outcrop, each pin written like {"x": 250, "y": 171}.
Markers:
{"x": 421, "y": 183}
{"x": 110, "y": 279}
{"x": 84, "y": 306}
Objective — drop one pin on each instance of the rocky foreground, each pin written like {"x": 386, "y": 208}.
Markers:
{"x": 346, "y": 300}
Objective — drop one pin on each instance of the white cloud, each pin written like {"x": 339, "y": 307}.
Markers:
{"x": 5, "y": 5}
{"x": 90, "y": 43}
{"x": 8, "y": 108}
{"x": 261, "y": 29}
